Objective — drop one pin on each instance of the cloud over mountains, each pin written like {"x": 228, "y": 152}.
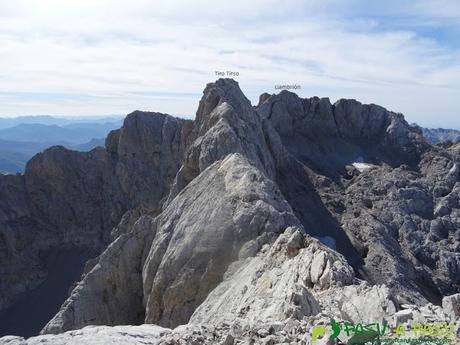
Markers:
{"x": 115, "y": 56}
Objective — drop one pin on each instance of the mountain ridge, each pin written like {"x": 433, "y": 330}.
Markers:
{"x": 73, "y": 133}
{"x": 187, "y": 205}
{"x": 441, "y": 135}
{"x": 22, "y": 141}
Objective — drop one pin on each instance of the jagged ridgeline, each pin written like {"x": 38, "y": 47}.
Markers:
{"x": 250, "y": 222}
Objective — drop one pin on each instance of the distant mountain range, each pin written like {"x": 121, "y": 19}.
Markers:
{"x": 23, "y": 137}
{"x": 8, "y": 122}
{"x": 77, "y": 133}
{"x": 441, "y": 135}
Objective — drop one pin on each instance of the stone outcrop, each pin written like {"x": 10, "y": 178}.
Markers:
{"x": 246, "y": 223}
{"x": 277, "y": 284}
{"x": 373, "y": 214}
{"x": 190, "y": 248}
{"x": 126, "y": 335}
{"x": 68, "y": 200}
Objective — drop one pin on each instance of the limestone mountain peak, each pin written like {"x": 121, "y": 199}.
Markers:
{"x": 275, "y": 214}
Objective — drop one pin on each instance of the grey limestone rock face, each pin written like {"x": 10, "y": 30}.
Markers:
{"x": 72, "y": 200}
{"x": 225, "y": 123}
{"x": 190, "y": 248}
{"x": 407, "y": 225}
{"x": 242, "y": 330}
{"x": 451, "y": 306}
{"x": 277, "y": 284}
{"x": 96, "y": 335}
{"x": 398, "y": 211}
{"x": 195, "y": 244}
{"x": 148, "y": 154}
{"x": 329, "y": 136}
{"x": 246, "y": 224}
{"x": 109, "y": 293}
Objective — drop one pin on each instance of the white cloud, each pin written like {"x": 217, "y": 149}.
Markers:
{"x": 112, "y": 51}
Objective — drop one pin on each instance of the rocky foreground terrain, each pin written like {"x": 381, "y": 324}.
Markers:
{"x": 248, "y": 225}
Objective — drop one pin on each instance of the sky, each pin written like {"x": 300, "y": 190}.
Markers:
{"x": 87, "y": 57}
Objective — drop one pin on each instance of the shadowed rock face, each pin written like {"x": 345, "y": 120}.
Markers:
{"x": 68, "y": 198}
{"x": 328, "y": 136}
{"x": 39, "y": 305}
{"x": 392, "y": 208}
{"x": 220, "y": 214}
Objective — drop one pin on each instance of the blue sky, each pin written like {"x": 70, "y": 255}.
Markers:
{"x": 111, "y": 57}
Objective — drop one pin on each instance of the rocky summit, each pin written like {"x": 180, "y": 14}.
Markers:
{"x": 248, "y": 225}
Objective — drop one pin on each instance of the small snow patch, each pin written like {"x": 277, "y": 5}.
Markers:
{"x": 362, "y": 166}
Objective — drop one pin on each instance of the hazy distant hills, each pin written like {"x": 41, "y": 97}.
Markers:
{"x": 22, "y": 137}
{"x": 72, "y": 133}
{"x": 8, "y": 122}
{"x": 42, "y": 119}
{"x": 14, "y": 155}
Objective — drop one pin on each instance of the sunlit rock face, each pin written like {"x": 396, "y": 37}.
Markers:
{"x": 246, "y": 223}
